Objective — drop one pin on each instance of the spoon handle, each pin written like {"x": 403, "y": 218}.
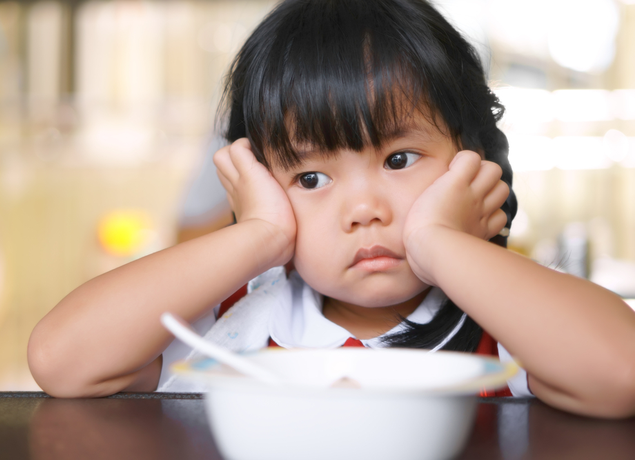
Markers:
{"x": 184, "y": 332}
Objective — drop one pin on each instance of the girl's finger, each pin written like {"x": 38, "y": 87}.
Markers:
{"x": 243, "y": 142}
{"x": 496, "y": 197}
{"x": 242, "y": 156}
{"x": 226, "y": 183}
{"x": 224, "y": 164}
{"x": 487, "y": 178}
{"x": 231, "y": 203}
{"x": 496, "y": 223}
{"x": 465, "y": 165}
{"x": 228, "y": 186}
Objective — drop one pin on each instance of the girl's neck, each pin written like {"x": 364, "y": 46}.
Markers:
{"x": 367, "y": 323}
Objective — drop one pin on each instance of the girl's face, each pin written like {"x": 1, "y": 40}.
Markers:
{"x": 350, "y": 211}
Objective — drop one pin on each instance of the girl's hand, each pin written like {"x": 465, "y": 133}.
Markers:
{"x": 466, "y": 199}
{"x": 255, "y": 195}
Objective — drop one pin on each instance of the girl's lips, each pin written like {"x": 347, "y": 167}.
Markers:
{"x": 375, "y": 258}
{"x": 377, "y": 264}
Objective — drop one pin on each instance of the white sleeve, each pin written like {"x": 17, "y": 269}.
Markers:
{"x": 177, "y": 350}
{"x": 518, "y": 383}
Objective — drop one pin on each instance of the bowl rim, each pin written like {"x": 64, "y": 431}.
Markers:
{"x": 218, "y": 376}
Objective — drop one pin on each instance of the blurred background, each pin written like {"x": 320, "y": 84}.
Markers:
{"x": 107, "y": 115}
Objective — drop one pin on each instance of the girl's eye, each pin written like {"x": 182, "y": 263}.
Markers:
{"x": 314, "y": 180}
{"x": 401, "y": 160}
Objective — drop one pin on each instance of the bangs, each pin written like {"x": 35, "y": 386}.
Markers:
{"x": 336, "y": 74}
{"x": 346, "y": 110}
{"x": 317, "y": 102}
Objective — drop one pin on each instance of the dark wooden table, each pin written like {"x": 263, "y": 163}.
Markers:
{"x": 173, "y": 426}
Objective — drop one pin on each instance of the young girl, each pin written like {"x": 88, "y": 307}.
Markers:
{"x": 364, "y": 150}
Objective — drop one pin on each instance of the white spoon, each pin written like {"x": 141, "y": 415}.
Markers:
{"x": 184, "y": 332}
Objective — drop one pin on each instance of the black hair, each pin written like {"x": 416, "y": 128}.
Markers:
{"x": 344, "y": 74}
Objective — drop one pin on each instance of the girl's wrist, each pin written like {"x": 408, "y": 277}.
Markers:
{"x": 425, "y": 247}
{"x": 270, "y": 246}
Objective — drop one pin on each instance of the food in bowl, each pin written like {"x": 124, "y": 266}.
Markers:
{"x": 347, "y": 403}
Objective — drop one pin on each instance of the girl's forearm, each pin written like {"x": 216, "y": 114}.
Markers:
{"x": 106, "y": 336}
{"x": 575, "y": 339}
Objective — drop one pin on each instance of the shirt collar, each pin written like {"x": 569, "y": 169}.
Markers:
{"x": 297, "y": 320}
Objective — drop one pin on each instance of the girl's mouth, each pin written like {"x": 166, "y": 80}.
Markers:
{"x": 375, "y": 258}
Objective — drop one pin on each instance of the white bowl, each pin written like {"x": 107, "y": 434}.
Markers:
{"x": 409, "y": 404}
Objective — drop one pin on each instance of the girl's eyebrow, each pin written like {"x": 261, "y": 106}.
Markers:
{"x": 413, "y": 129}
{"x": 306, "y": 155}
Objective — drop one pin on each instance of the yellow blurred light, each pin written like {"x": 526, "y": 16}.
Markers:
{"x": 124, "y": 232}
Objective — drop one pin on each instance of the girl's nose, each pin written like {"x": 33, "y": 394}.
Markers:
{"x": 364, "y": 207}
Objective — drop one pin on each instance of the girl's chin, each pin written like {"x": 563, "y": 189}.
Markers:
{"x": 375, "y": 300}
{"x": 370, "y": 292}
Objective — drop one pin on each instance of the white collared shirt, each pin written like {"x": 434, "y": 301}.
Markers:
{"x": 295, "y": 321}
{"x": 301, "y": 324}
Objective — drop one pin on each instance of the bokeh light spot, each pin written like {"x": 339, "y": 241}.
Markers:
{"x": 123, "y": 233}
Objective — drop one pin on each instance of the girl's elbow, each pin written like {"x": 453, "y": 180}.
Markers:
{"x": 619, "y": 404}
{"x": 61, "y": 378}
{"x": 43, "y": 369}
{"x": 616, "y": 396}
{"x": 50, "y": 370}
{"x": 622, "y": 400}
{"x": 609, "y": 395}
